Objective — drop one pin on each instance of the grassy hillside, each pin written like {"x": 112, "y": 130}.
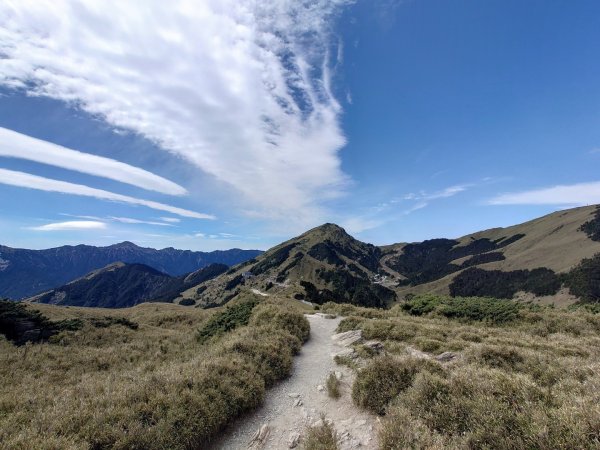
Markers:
{"x": 557, "y": 243}
{"x": 140, "y": 377}
{"x": 518, "y": 376}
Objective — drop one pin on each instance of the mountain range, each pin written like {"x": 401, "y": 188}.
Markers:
{"x": 553, "y": 259}
{"x": 24, "y": 273}
{"x": 121, "y": 285}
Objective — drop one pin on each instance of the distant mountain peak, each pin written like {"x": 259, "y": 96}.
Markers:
{"x": 125, "y": 244}
{"x": 328, "y": 230}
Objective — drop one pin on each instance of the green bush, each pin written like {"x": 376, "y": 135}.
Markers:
{"x": 231, "y": 317}
{"x": 584, "y": 280}
{"x": 107, "y": 321}
{"x": 500, "y": 284}
{"x": 422, "y": 304}
{"x": 350, "y": 323}
{"x": 187, "y": 302}
{"x": 21, "y": 325}
{"x": 384, "y": 379}
{"x": 482, "y": 309}
{"x": 592, "y": 227}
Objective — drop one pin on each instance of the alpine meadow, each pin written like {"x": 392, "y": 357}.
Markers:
{"x": 308, "y": 224}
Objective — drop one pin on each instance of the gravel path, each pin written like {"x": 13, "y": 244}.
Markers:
{"x": 298, "y": 402}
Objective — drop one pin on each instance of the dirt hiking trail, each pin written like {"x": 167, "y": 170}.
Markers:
{"x": 298, "y": 402}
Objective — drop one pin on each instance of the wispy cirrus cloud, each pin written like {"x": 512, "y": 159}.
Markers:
{"x": 131, "y": 220}
{"x": 17, "y": 145}
{"x": 422, "y": 199}
{"x": 26, "y": 180}
{"x": 72, "y": 225}
{"x": 242, "y": 89}
{"x": 444, "y": 193}
{"x": 579, "y": 194}
{"x": 398, "y": 207}
{"x": 170, "y": 219}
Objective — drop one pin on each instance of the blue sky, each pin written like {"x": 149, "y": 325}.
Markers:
{"x": 219, "y": 124}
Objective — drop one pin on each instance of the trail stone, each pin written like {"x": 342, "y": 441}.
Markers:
{"x": 293, "y": 395}
{"x": 446, "y": 357}
{"x": 260, "y": 437}
{"x": 294, "y": 440}
{"x": 348, "y": 338}
{"x": 326, "y": 315}
{"x": 347, "y": 353}
{"x": 417, "y": 353}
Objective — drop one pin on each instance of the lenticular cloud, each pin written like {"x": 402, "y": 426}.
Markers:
{"x": 239, "y": 88}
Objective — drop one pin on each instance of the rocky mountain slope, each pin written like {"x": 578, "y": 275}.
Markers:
{"x": 323, "y": 264}
{"x": 552, "y": 257}
{"x": 27, "y": 272}
{"x": 121, "y": 285}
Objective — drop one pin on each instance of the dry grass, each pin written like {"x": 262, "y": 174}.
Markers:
{"x": 333, "y": 386}
{"x": 321, "y": 437}
{"x": 533, "y": 383}
{"x": 156, "y": 387}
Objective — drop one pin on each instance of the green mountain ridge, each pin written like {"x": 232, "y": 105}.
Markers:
{"x": 121, "y": 285}
{"x": 533, "y": 260}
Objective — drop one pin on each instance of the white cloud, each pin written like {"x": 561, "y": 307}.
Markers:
{"x": 25, "y": 180}
{"x": 239, "y": 88}
{"x": 358, "y": 224}
{"x": 444, "y": 193}
{"x": 81, "y": 217}
{"x": 71, "y": 226}
{"x": 138, "y": 221}
{"x": 170, "y": 219}
{"x": 17, "y": 145}
{"x": 573, "y": 195}
{"x": 422, "y": 198}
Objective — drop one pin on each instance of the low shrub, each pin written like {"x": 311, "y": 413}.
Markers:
{"x": 20, "y": 324}
{"x": 333, "y": 386}
{"x": 108, "y": 321}
{"x": 500, "y": 284}
{"x": 343, "y": 360}
{"x": 584, "y": 280}
{"x": 321, "y": 437}
{"x": 271, "y": 315}
{"x": 384, "y": 379}
{"x": 483, "y": 309}
{"x": 349, "y": 323}
{"x": 187, "y": 302}
{"x": 231, "y": 317}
